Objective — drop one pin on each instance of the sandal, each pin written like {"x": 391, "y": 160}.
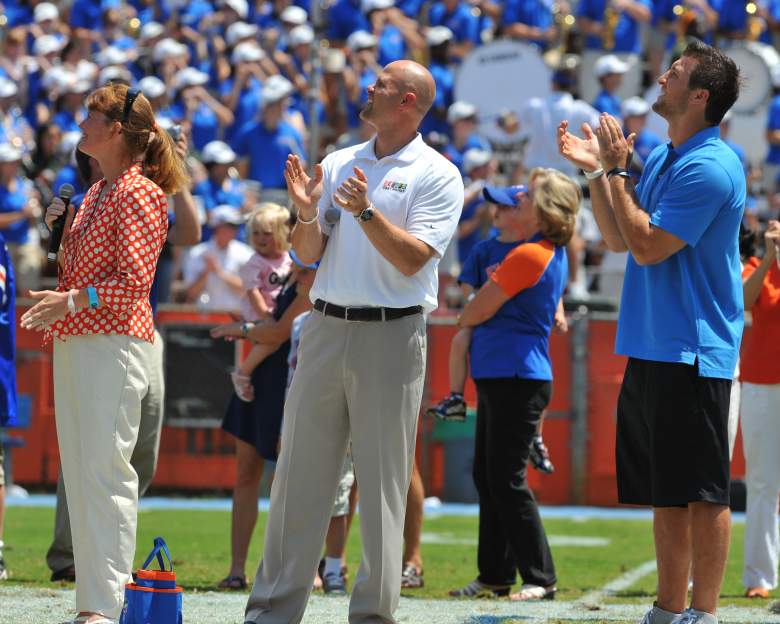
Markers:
{"x": 237, "y": 583}
{"x": 242, "y": 384}
{"x": 534, "y": 592}
{"x": 411, "y": 577}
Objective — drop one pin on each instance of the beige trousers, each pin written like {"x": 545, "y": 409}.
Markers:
{"x": 358, "y": 380}
{"x": 99, "y": 383}
{"x": 144, "y": 459}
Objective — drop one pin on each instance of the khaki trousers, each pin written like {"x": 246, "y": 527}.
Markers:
{"x": 358, "y": 380}
{"x": 144, "y": 459}
{"x": 99, "y": 383}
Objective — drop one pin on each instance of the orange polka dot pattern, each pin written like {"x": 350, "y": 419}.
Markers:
{"x": 114, "y": 245}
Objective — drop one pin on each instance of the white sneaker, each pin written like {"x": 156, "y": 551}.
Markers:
{"x": 657, "y": 615}
{"x": 694, "y": 616}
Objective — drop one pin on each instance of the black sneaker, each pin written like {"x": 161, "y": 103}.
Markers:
{"x": 3, "y": 571}
{"x": 540, "y": 456}
{"x": 452, "y": 407}
{"x": 334, "y": 584}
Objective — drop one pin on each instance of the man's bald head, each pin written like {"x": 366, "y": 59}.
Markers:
{"x": 413, "y": 77}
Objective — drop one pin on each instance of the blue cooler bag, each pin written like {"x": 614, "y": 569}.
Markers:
{"x": 154, "y": 597}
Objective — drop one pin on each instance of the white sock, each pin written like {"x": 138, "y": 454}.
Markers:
{"x": 332, "y": 565}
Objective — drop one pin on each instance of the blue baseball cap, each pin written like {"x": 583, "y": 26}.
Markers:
{"x": 300, "y": 263}
{"x": 504, "y": 195}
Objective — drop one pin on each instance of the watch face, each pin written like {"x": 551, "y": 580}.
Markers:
{"x": 367, "y": 214}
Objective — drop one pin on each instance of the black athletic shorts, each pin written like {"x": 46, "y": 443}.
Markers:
{"x": 672, "y": 436}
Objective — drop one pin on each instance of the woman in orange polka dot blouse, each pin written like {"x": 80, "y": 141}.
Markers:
{"x": 101, "y": 323}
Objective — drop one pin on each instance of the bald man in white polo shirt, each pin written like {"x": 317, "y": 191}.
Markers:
{"x": 379, "y": 215}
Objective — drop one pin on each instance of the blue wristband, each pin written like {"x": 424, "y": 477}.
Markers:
{"x": 93, "y": 297}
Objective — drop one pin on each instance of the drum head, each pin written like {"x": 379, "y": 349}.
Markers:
{"x": 755, "y": 62}
{"x": 502, "y": 75}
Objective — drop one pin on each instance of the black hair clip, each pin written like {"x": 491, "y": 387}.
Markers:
{"x": 130, "y": 98}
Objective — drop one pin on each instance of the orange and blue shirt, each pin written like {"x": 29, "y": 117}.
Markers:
{"x": 513, "y": 343}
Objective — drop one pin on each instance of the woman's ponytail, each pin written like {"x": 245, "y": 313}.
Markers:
{"x": 163, "y": 165}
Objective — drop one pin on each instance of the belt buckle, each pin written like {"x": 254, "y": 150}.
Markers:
{"x": 346, "y": 315}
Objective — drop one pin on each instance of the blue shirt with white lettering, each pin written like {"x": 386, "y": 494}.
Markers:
{"x": 689, "y": 307}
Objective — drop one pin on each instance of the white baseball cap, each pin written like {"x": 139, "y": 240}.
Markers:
{"x": 45, "y": 11}
{"x": 474, "y": 158}
{"x": 8, "y": 153}
{"x": 76, "y": 85}
{"x": 114, "y": 74}
{"x": 301, "y": 35}
{"x": 334, "y": 61}
{"x": 438, "y": 35}
{"x": 47, "y": 44}
{"x": 276, "y": 88}
{"x": 635, "y": 107}
{"x": 217, "y": 152}
{"x": 360, "y": 40}
{"x": 238, "y": 31}
{"x": 294, "y": 15}
{"x": 8, "y": 88}
{"x": 247, "y": 52}
{"x": 150, "y": 30}
{"x": 189, "y": 77}
{"x": 610, "y": 64}
{"x": 373, "y": 5}
{"x": 151, "y": 86}
{"x": 460, "y": 110}
{"x": 111, "y": 55}
{"x": 241, "y": 7}
{"x": 166, "y": 48}
{"x": 225, "y": 213}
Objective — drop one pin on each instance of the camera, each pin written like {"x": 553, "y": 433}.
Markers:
{"x": 175, "y": 132}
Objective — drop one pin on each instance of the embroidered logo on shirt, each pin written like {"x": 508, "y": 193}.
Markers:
{"x": 399, "y": 187}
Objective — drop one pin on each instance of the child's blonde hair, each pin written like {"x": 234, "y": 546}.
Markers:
{"x": 273, "y": 218}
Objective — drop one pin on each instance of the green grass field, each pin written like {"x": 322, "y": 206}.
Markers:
{"x": 200, "y": 544}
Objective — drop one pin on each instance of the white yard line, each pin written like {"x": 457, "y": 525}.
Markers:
{"x": 22, "y": 605}
{"x": 624, "y": 581}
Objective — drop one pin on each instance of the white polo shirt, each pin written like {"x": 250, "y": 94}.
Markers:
{"x": 539, "y": 121}
{"x": 416, "y": 189}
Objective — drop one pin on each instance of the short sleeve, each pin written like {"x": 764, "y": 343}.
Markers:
{"x": 326, "y": 200}
{"x": 435, "y": 209}
{"x": 523, "y": 267}
{"x": 692, "y": 199}
{"x": 469, "y": 273}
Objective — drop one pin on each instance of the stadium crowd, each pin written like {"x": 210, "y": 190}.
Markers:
{"x": 242, "y": 80}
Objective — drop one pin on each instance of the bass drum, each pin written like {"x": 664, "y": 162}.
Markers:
{"x": 502, "y": 75}
{"x": 755, "y": 61}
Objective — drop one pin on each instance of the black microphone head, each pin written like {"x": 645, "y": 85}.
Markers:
{"x": 332, "y": 216}
{"x": 67, "y": 191}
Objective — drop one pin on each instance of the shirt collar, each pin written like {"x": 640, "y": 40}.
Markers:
{"x": 407, "y": 154}
{"x": 713, "y": 132}
{"x": 131, "y": 172}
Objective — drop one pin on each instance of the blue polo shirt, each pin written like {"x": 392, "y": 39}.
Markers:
{"x": 536, "y": 13}
{"x": 689, "y": 306}
{"x": 514, "y": 342}
{"x": 627, "y": 31}
{"x": 773, "y": 123}
{"x": 7, "y": 339}
{"x": 268, "y": 151}
{"x": 462, "y": 22}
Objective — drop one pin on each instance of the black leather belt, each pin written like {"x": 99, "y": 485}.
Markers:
{"x": 364, "y": 314}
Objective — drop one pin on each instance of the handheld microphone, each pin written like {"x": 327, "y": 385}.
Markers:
{"x": 66, "y": 192}
{"x": 332, "y": 216}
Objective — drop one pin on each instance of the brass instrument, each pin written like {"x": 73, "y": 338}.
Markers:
{"x": 564, "y": 21}
{"x": 611, "y": 18}
{"x": 686, "y": 16}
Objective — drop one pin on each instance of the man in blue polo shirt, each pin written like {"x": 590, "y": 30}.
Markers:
{"x": 681, "y": 319}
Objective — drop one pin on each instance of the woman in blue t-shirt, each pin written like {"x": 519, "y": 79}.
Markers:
{"x": 512, "y": 315}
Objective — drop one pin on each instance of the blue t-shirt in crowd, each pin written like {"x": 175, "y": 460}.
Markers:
{"x": 214, "y": 194}
{"x": 514, "y": 342}
{"x": 536, "y": 13}
{"x": 15, "y": 201}
{"x": 607, "y": 103}
{"x": 690, "y": 305}
{"x": 268, "y": 151}
{"x": 627, "y": 29}
{"x": 7, "y": 339}
{"x": 205, "y": 124}
{"x": 645, "y": 143}
{"x": 462, "y": 22}
{"x": 483, "y": 259}
{"x": 67, "y": 121}
{"x": 392, "y": 46}
{"x": 344, "y": 18}
{"x": 773, "y": 123}
{"x": 466, "y": 243}
{"x": 455, "y": 155}
{"x": 444, "y": 77}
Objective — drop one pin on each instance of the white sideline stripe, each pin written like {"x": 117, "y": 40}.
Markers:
{"x": 561, "y": 541}
{"x": 624, "y": 581}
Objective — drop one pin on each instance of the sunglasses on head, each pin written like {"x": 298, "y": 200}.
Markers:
{"x": 130, "y": 98}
